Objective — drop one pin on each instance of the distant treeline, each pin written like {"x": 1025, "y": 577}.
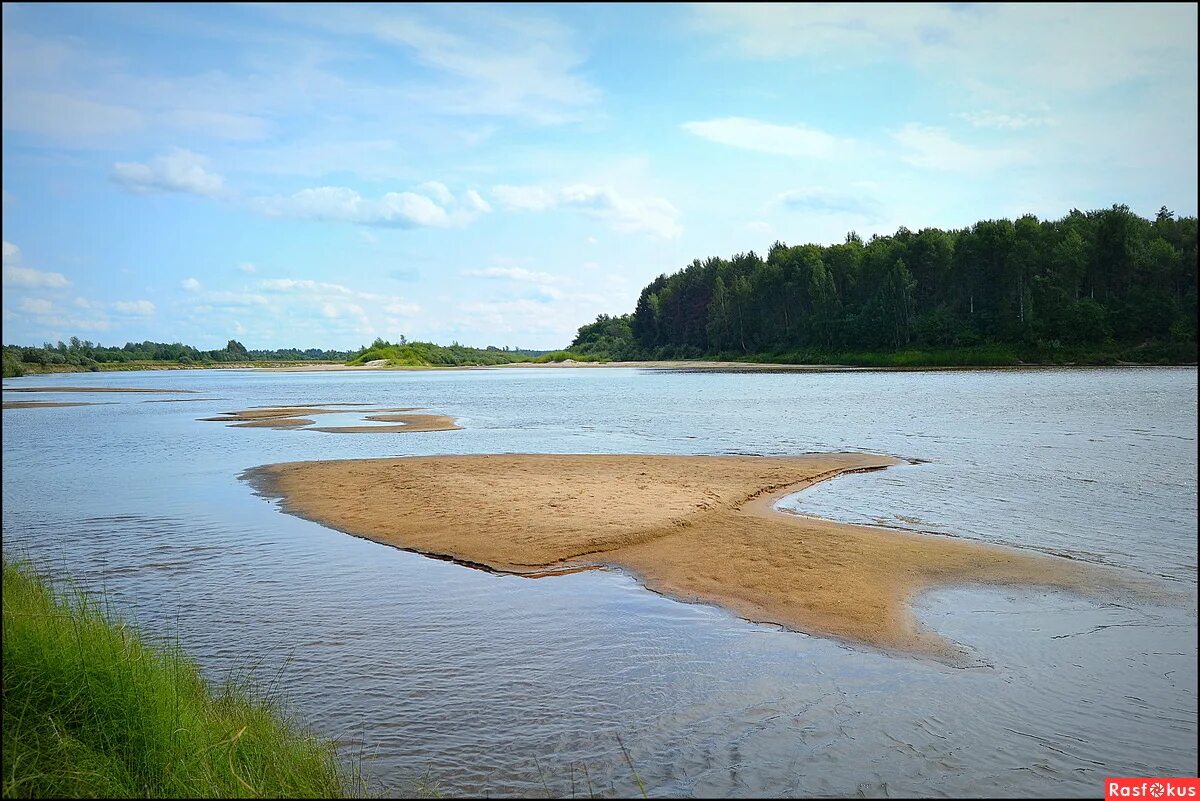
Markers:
{"x": 427, "y": 354}
{"x": 87, "y": 355}
{"x": 79, "y": 355}
{"x": 1096, "y": 286}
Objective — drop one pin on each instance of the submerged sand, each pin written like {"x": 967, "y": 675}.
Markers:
{"x": 298, "y": 417}
{"x": 695, "y": 528}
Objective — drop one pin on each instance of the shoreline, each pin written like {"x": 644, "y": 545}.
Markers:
{"x": 704, "y": 366}
{"x": 677, "y": 365}
{"x": 696, "y": 529}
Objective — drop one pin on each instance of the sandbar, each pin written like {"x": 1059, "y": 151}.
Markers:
{"x": 695, "y": 528}
{"x": 405, "y": 423}
{"x": 45, "y": 404}
{"x": 298, "y": 417}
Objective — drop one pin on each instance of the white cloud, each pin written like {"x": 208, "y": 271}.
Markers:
{"x": 475, "y": 201}
{"x": 140, "y": 308}
{"x": 178, "y": 170}
{"x": 393, "y": 209}
{"x": 525, "y": 198}
{"x": 510, "y": 273}
{"x": 438, "y": 191}
{"x": 800, "y": 141}
{"x": 759, "y": 227}
{"x": 247, "y": 268}
{"x": 401, "y": 308}
{"x": 934, "y": 148}
{"x": 15, "y": 274}
{"x": 494, "y": 62}
{"x": 1055, "y": 46}
{"x": 36, "y": 306}
{"x": 651, "y": 215}
{"x": 992, "y": 119}
{"x": 190, "y": 284}
{"x": 304, "y": 285}
{"x": 283, "y": 306}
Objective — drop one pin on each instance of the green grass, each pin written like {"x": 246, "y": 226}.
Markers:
{"x": 565, "y": 355}
{"x": 427, "y": 354}
{"x": 92, "y": 710}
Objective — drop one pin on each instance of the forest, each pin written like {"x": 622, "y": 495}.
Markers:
{"x": 86, "y": 355}
{"x": 1093, "y": 287}
{"x": 83, "y": 355}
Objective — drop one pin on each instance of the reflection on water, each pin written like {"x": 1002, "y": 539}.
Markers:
{"x": 502, "y": 685}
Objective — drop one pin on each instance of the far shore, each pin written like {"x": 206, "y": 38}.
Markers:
{"x": 696, "y": 528}
{"x": 681, "y": 365}
{"x": 569, "y": 364}
{"x": 686, "y": 365}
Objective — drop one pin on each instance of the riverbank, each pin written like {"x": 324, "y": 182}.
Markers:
{"x": 1149, "y": 354}
{"x": 33, "y": 368}
{"x": 700, "y": 529}
{"x": 93, "y": 711}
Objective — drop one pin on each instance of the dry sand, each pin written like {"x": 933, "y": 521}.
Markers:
{"x": 695, "y": 528}
{"x": 282, "y": 417}
{"x": 45, "y": 404}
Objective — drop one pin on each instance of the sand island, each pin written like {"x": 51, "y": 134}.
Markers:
{"x": 46, "y": 404}
{"x": 696, "y": 528}
{"x": 284, "y": 417}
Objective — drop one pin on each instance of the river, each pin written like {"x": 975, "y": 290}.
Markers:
{"x": 447, "y": 678}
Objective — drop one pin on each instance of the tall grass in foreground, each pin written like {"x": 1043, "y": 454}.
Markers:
{"x": 90, "y": 710}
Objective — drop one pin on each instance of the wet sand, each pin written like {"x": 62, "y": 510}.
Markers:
{"x": 404, "y": 423}
{"x": 700, "y": 529}
{"x": 100, "y": 389}
{"x": 297, "y": 417}
{"x": 45, "y": 404}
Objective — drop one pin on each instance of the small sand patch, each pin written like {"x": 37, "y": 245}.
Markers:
{"x": 297, "y": 417}
{"x": 278, "y": 422}
{"x": 695, "y": 528}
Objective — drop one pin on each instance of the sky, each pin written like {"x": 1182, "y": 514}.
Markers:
{"x": 318, "y": 176}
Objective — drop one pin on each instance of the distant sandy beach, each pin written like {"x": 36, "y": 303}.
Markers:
{"x": 696, "y": 528}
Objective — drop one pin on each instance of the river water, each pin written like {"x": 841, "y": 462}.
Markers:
{"x": 443, "y": 678}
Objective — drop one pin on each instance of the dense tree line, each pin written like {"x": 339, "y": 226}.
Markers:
{"x": 1091, "y": 281}
{"x": 426, "y": 354}
{"x": 89, "y": 355}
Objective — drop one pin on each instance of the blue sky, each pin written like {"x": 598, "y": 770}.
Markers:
{"x": 318, "y": 176}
